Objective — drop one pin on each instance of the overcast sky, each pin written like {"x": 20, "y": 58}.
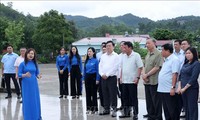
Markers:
{"x": 154, "y": 10}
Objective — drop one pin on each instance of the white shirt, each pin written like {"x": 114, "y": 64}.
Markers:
{"x": 170, "y": 66}
{"x": 121, "y": 55}
{"x": 18, "y": 61}
{"x": 99, "y": 54}
{"x": 180, "y": 55}
{"x": 109, "y": 64}
{"x": 130, "y": 65}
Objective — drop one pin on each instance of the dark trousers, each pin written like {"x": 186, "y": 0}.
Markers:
{"x": 191, "y": 103}
{"x": 100, "y": 92}
{"x": 75, "y": 77}
{"x": 63, "y": 80}
{"x": 109, "y": 89}
{"x": 20, "y": 83}
{"x": 130, "y": 98}
{"x": 91, "y": 92}
{"x": 170, "y": 106}
{"x": 153, "y": 102}
{"x": 120, "y": 93}
{"x": 7, "y": 79}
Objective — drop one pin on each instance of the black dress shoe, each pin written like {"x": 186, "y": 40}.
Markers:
{"x": 61, "y": 96}
{"x": 146, "y": 116}
{"x": 65, "y": 96}
{"x": 124, "y": 116}
{"x": 77, "y": 97}
{"x": 105, "y": 112}
{"x": 73, "y": 97}
{"x": 20, "y": 101}
{"x": 182, "y": 116}
{"x": 9, "y": 96}
{"x": 120, "y": 108}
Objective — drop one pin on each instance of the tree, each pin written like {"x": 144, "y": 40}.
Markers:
{"x": 51, "y": 32}
{"x": 14, "y": 33}
{"x": 3, "y": 26}
{"x": 163, "y": 34}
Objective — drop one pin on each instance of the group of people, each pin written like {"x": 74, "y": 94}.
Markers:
{"x": 24, "y": 68}
{"x": 170, "y": 79}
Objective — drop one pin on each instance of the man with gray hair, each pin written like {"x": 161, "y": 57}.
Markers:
{"x": 152, "y": 65}
{"x": 18, "y": 61}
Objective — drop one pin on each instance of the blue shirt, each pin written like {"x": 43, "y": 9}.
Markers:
{"x": 170, "y": 66}
{"x": 9, "y": 60}
{"x": 180, "y": 56}
{"x": 62, "y": 61}
{"x": 74, "y": 61}
{"x": 91, "y": 67}
{"x": 189, "y": 74}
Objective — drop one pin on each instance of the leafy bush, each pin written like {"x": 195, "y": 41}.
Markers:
{"x": 43, "y": 59}
{"x": 141, "y": 51}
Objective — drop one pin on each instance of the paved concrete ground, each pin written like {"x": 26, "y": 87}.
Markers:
{"x": 54, "y": 108}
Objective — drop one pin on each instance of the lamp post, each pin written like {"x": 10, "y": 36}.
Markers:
{"x": 63, "y": 41}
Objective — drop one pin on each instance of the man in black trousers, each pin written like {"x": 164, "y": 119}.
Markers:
{"x": 8, "y": 70}
{"x": 108, "y": 70}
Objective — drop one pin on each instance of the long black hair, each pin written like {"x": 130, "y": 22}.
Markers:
{"x": 34, "y": 59}
{"x": 87, "y": 57}
{"x": 71, "y": 55}
{"x": 195, "y": 55}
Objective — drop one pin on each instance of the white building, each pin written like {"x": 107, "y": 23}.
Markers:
{"x": 95, "y": 42}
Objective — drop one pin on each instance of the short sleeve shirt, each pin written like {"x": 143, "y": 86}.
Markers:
{"x": 9, "y": 60}
{"x": 130, "y": 65}
{"x": 152, "y": 60}
{"x": 18, "y": 61}
{"x": 170, "y": 66}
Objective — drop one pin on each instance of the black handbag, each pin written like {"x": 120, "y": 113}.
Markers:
{"x": 3, "y": 82}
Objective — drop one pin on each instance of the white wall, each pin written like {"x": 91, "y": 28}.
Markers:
{"x": 82, "y": 49}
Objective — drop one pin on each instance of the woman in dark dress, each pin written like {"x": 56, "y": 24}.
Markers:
{"x": 29, "y": 72}
{"x": 62, "y": 64}
{"x": 188, "y": 83}
{"x": 75, "y": 68}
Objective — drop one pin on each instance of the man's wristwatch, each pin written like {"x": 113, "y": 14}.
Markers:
{"x": 173, "y": 87}
{"x": 138, "y": 78}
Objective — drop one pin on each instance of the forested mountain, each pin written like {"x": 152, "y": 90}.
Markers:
{"x": 189, "y": 23}
{"x": 86, "y": 23}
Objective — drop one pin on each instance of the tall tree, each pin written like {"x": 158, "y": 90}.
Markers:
{"x": 3, "y": 26}
{"x": 51, "y": 32}
{"x": 163, "y": 34}
{"x": 14, "y": 33}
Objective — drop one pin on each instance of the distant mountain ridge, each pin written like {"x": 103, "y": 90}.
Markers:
{"x": 129, "y": 19}
{"x": 87, "y": 23}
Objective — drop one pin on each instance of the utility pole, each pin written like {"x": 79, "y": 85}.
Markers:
{"x": 63, "y": 41}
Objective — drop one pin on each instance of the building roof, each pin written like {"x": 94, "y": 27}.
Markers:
{"x": 162, "y": 42}
{"x": 99, "y": 40}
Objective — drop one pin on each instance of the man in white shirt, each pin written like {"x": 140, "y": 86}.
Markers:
{"x": 119, "y": 74}
{"x": 108, "y": 70}
{"x": 178, "y": 51}
{"x": 167, "y": 82}
{"x": 98, "y": 55}
{"x": 103, "y": 50}
{"x": 131, "y": 67}
{"x": 18, "y": 61}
